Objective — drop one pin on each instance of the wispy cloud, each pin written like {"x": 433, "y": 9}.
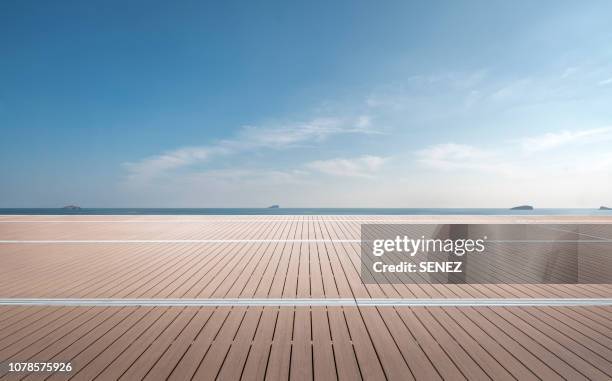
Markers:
{"x": 507, "y": 164}
{"x": 553, "y": 140}
{"x": 244, "y": 177}
{"x": 286, "y": 136}
{"x": 363, "y": 166}
{"x": 569, "y": 71}
{"x": 250, "y": 138}
{"x": 516, "y": 88}
{"x": 166, "y": 161}
{"x": 606, "y": 82}
{"x": 450, "y": 156}
{"x": 507, "y": 155}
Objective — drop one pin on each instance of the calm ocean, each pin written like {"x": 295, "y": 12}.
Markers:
{"x": 305, "y": 211}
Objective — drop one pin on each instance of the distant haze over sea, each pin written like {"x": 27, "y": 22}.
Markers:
{"x": 305, "y": 211}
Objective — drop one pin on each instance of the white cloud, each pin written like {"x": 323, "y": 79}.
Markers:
{"x": 450, "y": 156}
{"x": 553, "y": 140}
{"x": 249, "y": 138}
{"x": 364, "y": 121}
{"x": 504, "y": 169}
{"x": 285, "y": 136}
{"x": 512, "y": 90}
{"x": 153, "y": 165}
{"x": 569, "y": 72}
{"x": 505, "y": 160}
{"x": 605, "y": 82}
{"x": 243, "y": 178}
{"x": 363, "y": 166}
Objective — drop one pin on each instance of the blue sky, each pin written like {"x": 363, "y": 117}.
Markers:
{"x": 341, "y": 104}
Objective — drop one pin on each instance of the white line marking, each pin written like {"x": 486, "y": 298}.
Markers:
{"x": 271, "y": 240}
{"x": 407, "y": 221}
{"x": 184, "y": 241}
{"x": 195, "y": 220}
{"x": 416, "y": 219}
{"x": 332, "y": 302}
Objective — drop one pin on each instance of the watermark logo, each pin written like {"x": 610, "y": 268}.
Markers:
{"x": 486, "y": 253}
{"x": 411, "y": 246}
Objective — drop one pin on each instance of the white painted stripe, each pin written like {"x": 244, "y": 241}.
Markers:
{"x": 406, "y": 221}
{"x": 416, "y": 219}
{"x": 271, "y": 240}
{"x": 332, "y": 302}
{"x": 182, "y": 241}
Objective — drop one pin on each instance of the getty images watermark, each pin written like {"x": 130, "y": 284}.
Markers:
{"x": 482, "y": 253}
{"x": 403, "y": 245}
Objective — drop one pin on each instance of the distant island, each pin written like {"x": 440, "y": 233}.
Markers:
{"x": 522, "y": 207}
{"x": 273, "y": 207}
{"x": 72, "y": 207}
{"x": 604, "y": 208}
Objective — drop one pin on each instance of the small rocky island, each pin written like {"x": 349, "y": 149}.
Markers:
{"x": 522, "y": 207}
{"x": 604, "y": 208}
{"x": 71, "y": 207}
{"x": 273, "y": 206}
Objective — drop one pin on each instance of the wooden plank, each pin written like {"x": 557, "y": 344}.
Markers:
{"x": 154, "y": 352}
{"x": 209, "y": 367}
{"x": 280, "y": 353}
{"x": 235, "y": 360}
{"x": 344, "y": 352}
{"x": 135, "y": 349}
{"x": 106, "y": 351}
{"x": 257, "y": 360}
{"x": 370, "y": 364}
{"x": 418, "y": 362}
{"x": 588, "y": 362}
{"x": 528, "y": 342}
{"x": 462, "y": 359}
{"x": 323, "y": 364}
{"x": 190, "y": 361}
{"x": 394, "y": 364}
{"x": 507, "y": 352}
{"x": 275, "y": 343}
{"x": 301, "y": 350}
{"x": 474, "y": 349}
{"x": 173, "y": 355}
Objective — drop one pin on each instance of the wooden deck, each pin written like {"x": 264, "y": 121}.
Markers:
{"x": 272, "y": 257}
